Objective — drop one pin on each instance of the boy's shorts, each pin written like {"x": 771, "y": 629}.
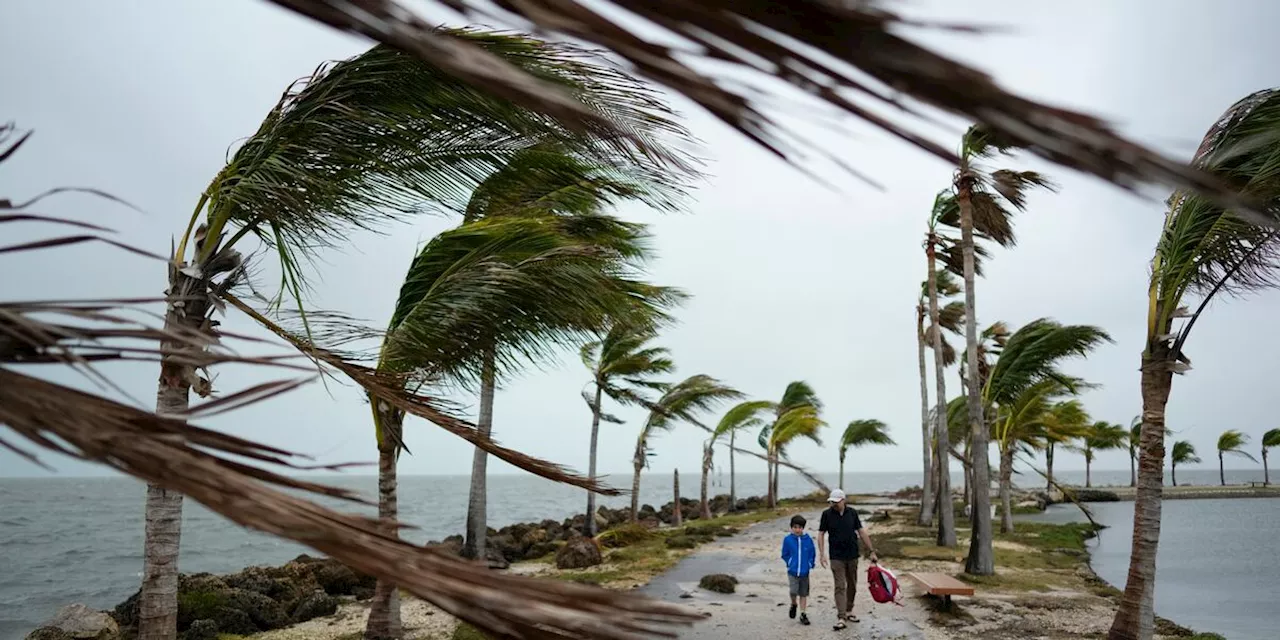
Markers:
{"x": 799, "y": 585}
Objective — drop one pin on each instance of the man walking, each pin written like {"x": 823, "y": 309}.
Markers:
{"x": 841, "y": 523}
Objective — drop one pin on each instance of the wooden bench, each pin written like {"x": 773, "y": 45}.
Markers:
{"x": 940, "y": 584}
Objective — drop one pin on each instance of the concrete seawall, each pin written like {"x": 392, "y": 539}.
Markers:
{"x": 1199, "y": 493}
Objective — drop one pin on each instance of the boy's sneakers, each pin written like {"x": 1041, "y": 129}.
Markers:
{"x": 804, "y": 619}
{"x": 792, "y": 613}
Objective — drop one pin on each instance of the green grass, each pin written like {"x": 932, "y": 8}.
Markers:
{"x": 465, "y": 631}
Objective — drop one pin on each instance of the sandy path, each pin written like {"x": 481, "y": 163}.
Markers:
{"x": 758, "y": 609}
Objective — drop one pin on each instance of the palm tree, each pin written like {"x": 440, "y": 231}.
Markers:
{"x": 1231, "y": 441}
{"x": 949, "y": 317}
{"x": 341, "y": 152}
{"x": 1101, "y": 436}
{"x": 1183, "y": 453}
{"x": 985, "y": 200}
{"x": 623, "y": 366}
{"x": 1204, "y": 249}
{"x": 681, "y": 402}
{"x": 802, "y": 421}
{"x": 1134, "y": 440}
{"x": 861, "y": 433}
{"x": 741, "y": 417}
{"x": 1021, "y": 425}
{"x": 1066, "y": 422}
{"x": 1269, "y": 439}
{"x": 802, "y": 399}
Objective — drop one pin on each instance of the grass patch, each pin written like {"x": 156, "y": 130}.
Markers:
{"x": 594, "y": 577}
{"x": 1020, "y": 581}
{"x": 465, "y": 631}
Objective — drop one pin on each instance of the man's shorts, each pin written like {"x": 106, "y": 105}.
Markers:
{"x": 799, "y": 585}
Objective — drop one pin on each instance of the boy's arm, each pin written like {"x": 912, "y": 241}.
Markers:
{"x": 786, "y": 551}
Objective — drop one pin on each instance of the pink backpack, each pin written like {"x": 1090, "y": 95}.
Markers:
{"x": 883, "y": 585}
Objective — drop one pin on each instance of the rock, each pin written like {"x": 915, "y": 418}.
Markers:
{"x": 719, "y": 583}
{"x": 686, "y": 595}
{"x": 338, "y": 579}
{"x": 1096, "y": 495}
{"x": 578, "y": 553}
{"x": 540, "y": 550}
{"x": 495, "y": 558}
{"x": 201, "y": 630}
{"x": 233, "y": 621}
{"x": 314, "y": 606}
{"x": 601, "y": 521}
{"x": 48, "y": 633}
{"x": 82, "y": 623}
{"x": 263, "y": 612}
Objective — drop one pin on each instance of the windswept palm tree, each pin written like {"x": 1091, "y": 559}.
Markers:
{"x": 798, "y": 397}
{"x": 1204, "y": 250}
{"x": 938, "y": 283}
{"x": 623, "y": 367}
{"x": 1021, "y": 426}
{"x": 1066, "y": 422}
{"x": 861, "y": 433}
{"x": 682, "y": 402}
{"x": 1269, "y": 439}
{"x": 1231, "y": 441}
{"x": 1101, "y": 436}
{"x": 359, "y": 143}
{"x": 745, "y": 416}
{"x": 1183, "y": 453}
{"x": 985, "y": 201}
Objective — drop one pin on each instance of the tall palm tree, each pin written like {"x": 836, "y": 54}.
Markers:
{"x": 949, "y": 318}
{"x": 802, "y": 421}
{"x": 744, "y": 416}
{"x": 861, "y": 433}
{"x": 798, "y": 397}
{"x": 682, "y": 402}
{"x": 1021, "y": 426}
{"x": 359, "y": 143}
{"x": 1204, "y": 250}
{"x": 1183, "y": 453}
{"x": 1026, "y": 370}
{"x": 1269, "y": 439}
{"x": 623, "y": 366}
{"x": 1231, "y": 441}
{"x": 986, "y": 201}
{"x": 1066, "y": 422}
{"x": 1101, "y": 436}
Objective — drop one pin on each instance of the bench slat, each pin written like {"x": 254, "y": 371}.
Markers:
{"x": 941, "y": 584}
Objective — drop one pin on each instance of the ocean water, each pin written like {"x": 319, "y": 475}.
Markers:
{"x": 65, "y": 540}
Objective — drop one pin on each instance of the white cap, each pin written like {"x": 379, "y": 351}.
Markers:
{"x": 836, "y": 496}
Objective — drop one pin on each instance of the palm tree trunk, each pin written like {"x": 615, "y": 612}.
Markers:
{"x": 777, "y": 478}
{"x": 1048, "y": 469}
{"x": 1266, "y": 474}
{"x": 158, "y": 599}
{"x": 1133, "y": 471}
{"x": 1222, "y": 471}
{"x": 968, "y": 475}
{"x": 1173, "y": 469}
{"x": 942, "y": 454}
{"x": 925, "y": 517}
{"x": 677, "y": 513}
{"x": 770, "y": 499}
{"x": 384, "y": 608}
{"x": 638, "y": 463}
{"x": 733, "y": 489}
{"x": 590, "y": 522}
{"x": 477, "y": 507}
{"x": 1088, "y": 465}
{"x": 842, "y": 474}
{"x": 1135, "y": 619}
{"x": 705, "y": 507}
{"x": 1006, "y": 489}
{"x": 981, "y": 559}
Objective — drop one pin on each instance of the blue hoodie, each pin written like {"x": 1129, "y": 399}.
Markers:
{"x": 800, "y": 554}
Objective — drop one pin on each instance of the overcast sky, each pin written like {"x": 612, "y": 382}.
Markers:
{"x": 790, "y": 280}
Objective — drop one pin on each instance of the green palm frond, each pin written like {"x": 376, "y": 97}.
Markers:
{"x": 803, "y": 421}
{"x": 951, "y": 317}
{"x": 1065, "y": 421}
{"x": 1233, "y": 441}
{"x": 1184, "y": 452}
{"x": 742, "y": 416}
{"x": 861, "y": 433}
{"x": 1271, "y": 439}
{"x": 1103, "y": 436}
{"x": 624, "y": 365}
{"x": 1027, "y": 419}
{"x": 1206, "y": 249}
{"x": 683, "y": 402}
{"x": 798, "y": 394}
{"x": 1033, "y": 353}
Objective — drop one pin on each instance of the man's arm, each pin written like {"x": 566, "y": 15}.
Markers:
{"x": 822, "y": 548}
{"x": 866, "y": 543}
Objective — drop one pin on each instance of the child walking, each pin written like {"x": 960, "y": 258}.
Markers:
{"x": 799, "y": 552}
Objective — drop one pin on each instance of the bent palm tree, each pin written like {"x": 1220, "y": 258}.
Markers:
{"x": 623, "y": 367}
{"x": 1231, "y": 441}
{"x": 797, "y": 395}
{"x": 1269, "y": 439}
{"x": 861, "y": 433}
{"x": 1183, "y": 453}
{"x": 1101, "y": 436}
{"x": 1020, "y": 426}
{"x": 985, "y": 201}
{"x": 936, "y": 284}
{"x": 681, "y": 402}
{"x": 1066, "y": 422}
{"x": 741, "y": 417}
{"x": 801, "y": 421}
{"x": 1203, "y": 250}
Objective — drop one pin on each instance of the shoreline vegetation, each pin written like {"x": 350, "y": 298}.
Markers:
{"x": 1043, "y": 581}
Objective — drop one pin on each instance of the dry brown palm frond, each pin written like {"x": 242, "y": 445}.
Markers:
{"x": 191, "y": 460}
{"x": 392, "y": 389}
{"x": 755, "y": 36}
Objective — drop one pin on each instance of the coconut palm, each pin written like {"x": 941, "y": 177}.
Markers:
{"x": 682, "y": 402}
{"x": 359, "y": 143}
{"x": 1183, "y": 453}
{"x": 940, "y": 283}
{"x": 861, "y": 433}
{"x": 1023, "y": 426}
{"x": 985, "y": 201}
{"x": 1269, "y": 439}
{"x": 797, "y": 396}
{"x": 1066, "y": 422}
{"x": 746, "y": 416}
{"x": 801, "y": 421}
{"x": 1231, "y": 441}
{"x": 1101, "y": 436}
{"x": 1203, "y": 250}
{"x": 623, "y": 367}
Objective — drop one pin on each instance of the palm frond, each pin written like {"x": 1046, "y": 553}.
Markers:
{"x": 798, "y": 393}
{"x": 802, "y": 421}
{"x": 860, "y": 433}
{"x": 741, "y": 416}
{"x": 685, "y": 400}
{"x": 1103, "y": 436}
{"x": 1271, "y": 439}
{"x": 1184, "y": 453}
{"x": 1033, "y": 353}
{"x": 1233, "y": 441}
